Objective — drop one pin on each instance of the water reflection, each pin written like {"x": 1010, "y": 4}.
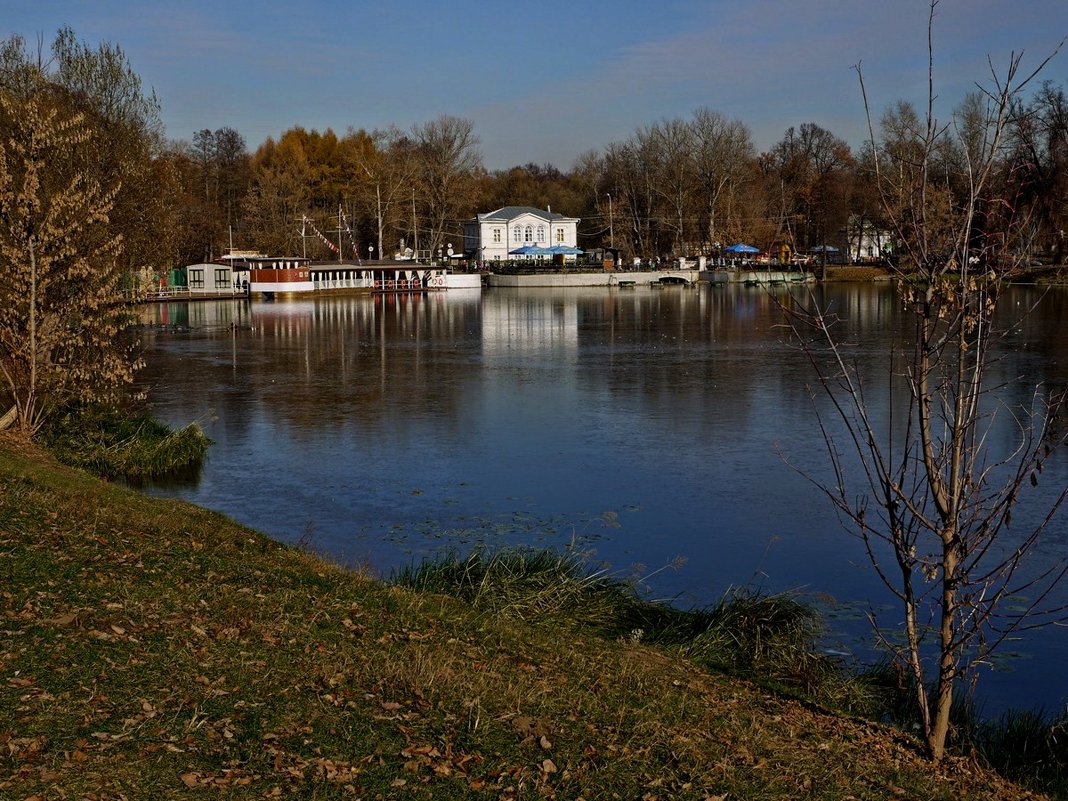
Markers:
{"x": 644, "y": 424}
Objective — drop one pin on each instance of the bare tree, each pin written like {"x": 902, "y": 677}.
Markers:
{"x": 671, "y": 144}
{"x": 383, "y": 165}
{"x": 936, "y": 497}
{"x": 448, "y": 159}
{"x": 723, "y": 155}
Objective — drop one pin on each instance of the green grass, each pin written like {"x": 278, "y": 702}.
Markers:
{"x": 153, "y": 650}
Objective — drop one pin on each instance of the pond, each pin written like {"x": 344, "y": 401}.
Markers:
{"x": 670, "y": 434}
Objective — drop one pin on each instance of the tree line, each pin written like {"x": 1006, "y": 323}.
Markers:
{"x": 678, "y": 187}
{"x": 675, "y": 187}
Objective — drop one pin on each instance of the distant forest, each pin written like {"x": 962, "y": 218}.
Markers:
{"x": 677, "y": 187}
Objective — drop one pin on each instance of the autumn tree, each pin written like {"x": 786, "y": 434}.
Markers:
{"x": 87, "y": 205}
{"x": 932, "y": 493}
{"x": 61, "y": 311}
{"x": 278, "y": 195}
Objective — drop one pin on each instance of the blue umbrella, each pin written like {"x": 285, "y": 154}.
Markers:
{"x": 523, "y": 251}
{"x": 566, "y": 250}
{"x": 740, "y": 248}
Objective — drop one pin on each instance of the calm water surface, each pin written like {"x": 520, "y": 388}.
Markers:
{"x": 662, "y": 431}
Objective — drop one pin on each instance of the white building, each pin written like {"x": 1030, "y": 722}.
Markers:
{"x": 493, "y": 236}
{"x": 867, "y": 243}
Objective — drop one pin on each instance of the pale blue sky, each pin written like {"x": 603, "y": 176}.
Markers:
{"x": 545, "y": 81}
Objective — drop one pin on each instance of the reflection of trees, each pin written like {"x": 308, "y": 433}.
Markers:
{"x": 315, "y": 365}
{"x": 712, "y": 353}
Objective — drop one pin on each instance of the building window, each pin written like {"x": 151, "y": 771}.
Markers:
{"x": 541, "y": 233}
{"x": 222, "y": 278}
{"x": 560, "y": 235}
{"x": 497, "y": 235}
{"x": 517, "y": 235}
{"x": 196, "y": 279}
{"x": 528, "y": 234}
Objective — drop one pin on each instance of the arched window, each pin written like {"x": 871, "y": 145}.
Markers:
{"x": 529, "y": 234}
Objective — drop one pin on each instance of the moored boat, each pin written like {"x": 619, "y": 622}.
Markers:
{"x": 270, "y": 276}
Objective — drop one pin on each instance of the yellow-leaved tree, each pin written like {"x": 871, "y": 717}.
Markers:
{"x": 61, "y": 312}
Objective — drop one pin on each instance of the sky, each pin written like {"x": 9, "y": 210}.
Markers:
{"x": 545, "y": 82}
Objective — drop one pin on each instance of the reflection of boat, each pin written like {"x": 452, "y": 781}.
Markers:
{"x": 774, "y": 277}
{"x": 269, "y": 276}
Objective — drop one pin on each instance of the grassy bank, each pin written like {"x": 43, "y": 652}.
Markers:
{"x": 154, "y": 650}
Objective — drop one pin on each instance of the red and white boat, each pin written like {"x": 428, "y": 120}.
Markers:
{"x": 269, "y": 276}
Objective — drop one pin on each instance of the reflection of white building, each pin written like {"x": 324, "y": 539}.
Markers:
{"x": 530, "y": 324}
{"x": 491, "y": 236}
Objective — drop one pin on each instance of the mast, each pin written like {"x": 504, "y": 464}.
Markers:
{"x": 415, "y": 231}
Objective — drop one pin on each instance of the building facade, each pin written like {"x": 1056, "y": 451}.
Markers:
{"x": 492, "y": 237}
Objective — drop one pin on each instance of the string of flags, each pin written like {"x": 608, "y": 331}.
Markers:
{"x": 318, "y": 233}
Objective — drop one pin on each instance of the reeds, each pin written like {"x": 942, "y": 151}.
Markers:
{"x": 1029, "y": 747}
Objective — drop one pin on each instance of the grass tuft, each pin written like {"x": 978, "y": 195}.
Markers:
{"x": 761, "y": 636}
{"x": 133, "y": 448}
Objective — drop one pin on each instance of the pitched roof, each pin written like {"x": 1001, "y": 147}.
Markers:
{"x": 508, "y": 213}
